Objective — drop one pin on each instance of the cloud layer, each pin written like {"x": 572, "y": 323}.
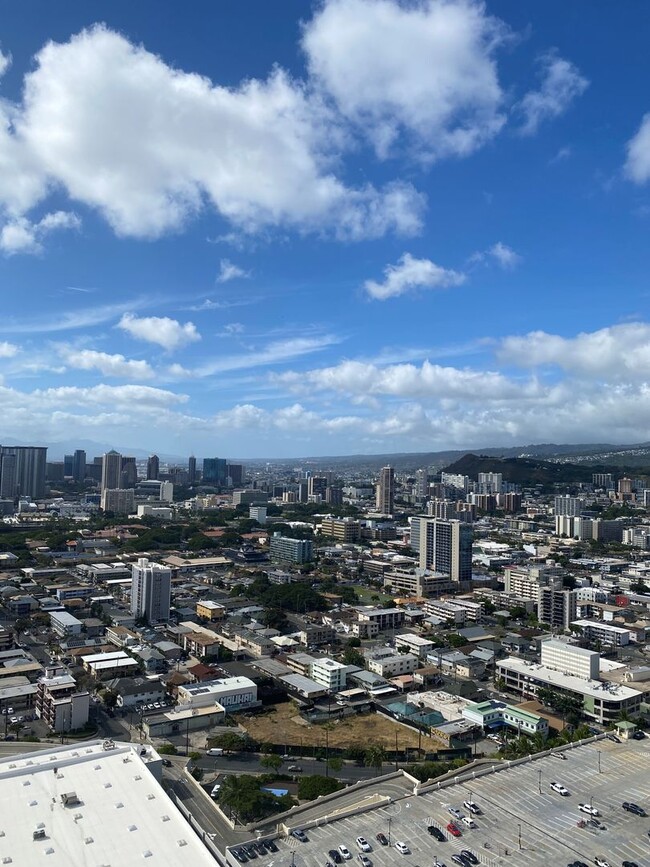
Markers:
{"x": 411, "y": 274}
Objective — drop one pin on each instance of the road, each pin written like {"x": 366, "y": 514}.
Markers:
{"x": 249, "y": 763}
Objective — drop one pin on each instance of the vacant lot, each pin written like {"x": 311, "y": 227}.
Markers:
{"x": 284, "y": 726}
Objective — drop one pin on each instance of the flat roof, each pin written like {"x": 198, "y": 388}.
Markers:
{"x": 593, "y": 688}
{"x": 123, "y": 815}
{"x": 600, "y": 625}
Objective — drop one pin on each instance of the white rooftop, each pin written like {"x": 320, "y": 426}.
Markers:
{"x": 592, "y": 688}
{"x": 122, "y": 816}
{"x": 599, "y": 624}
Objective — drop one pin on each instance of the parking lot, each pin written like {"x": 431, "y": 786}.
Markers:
{"x": 523, "y": 822}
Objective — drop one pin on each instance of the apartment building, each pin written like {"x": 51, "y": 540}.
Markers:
{"x": 329, "y": 673}
{"x": 393, "y": 665}
{"x": 341, "y": 529}
{"x": 59, "y": 703}
{"x": 606, "y": 634}
{"x": 382, "y": 619}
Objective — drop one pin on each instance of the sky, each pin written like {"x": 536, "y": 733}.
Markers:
{"x": 253, "y": 229}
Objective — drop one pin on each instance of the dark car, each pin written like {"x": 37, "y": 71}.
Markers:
{"x": 335, "y": 856}
{"x": 381, "y": 838}
{"x": 614, "y": 738}
{"x": 638, "y": 736}
{"x": 250, "y": 852}
{"x": 240, "y": 855}
{"x": 577, "y": 864}
{"x": 167, "y": 763}
{"x": 299, "y": 834}
{"x": 630, "y": 864}
{"x": 458, "y": 859}
{"x": 437, "y": 833}
{"x": 470, "y": 857}
{"x": 270, "y": 846}
{"x": 260, "y": 848}
{"x": 634, "y": 808}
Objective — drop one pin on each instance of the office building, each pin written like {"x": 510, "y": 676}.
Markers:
{"x": 215, "y": 471}
{"x": 443, "y": 546}
{"x": 247, "y": 498}
{"x": 111, "y": 471}
{"x": 79, "y": 465}
{"x": 421, "y": 484}
{"x": 385, "y": 502}
{"x": 129, "y": 473}
{"x": 316, "y": 487}
{"x": 257, "y": 513}
{"x": 151, "y": 590}
{"x": 232, "y": 693}
{"x": 67, "y": 466}
{"x": 341, "y": 529}
{"x": 191, "y": 470}
{"x": 602, "y": 480}
{"x": 334, "y": 496}
{"x": 153, "y": 468}
{"x": 566, "y": 505}
{"x": 235, "y": 475}
{"x": 289, "y": 550}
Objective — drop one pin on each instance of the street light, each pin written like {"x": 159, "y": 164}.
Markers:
{"x": 540, "y": 782}
{"x": 519, "y": 827}
{"x": 389, "y": 821}
{"x": 599, "y": 771}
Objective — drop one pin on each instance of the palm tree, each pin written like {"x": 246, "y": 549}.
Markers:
{"x": 375, "y": 756}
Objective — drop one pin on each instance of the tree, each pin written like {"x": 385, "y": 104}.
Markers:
{"x": 375, "y": 756}
{"x": 335, "y": 764}
{"x": 456, "y": 640}
{"x": 228, "y": 741}
{"x": 109, "y": 698}
{"x": 311, "y": 787}
{"x": 167, "y": 750}
{"x": 353, "y": 657}
{"x": 272, "y": 761}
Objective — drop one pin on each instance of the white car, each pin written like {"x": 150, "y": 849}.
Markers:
{"x": 473, "y": 807}
{"x": 454, "y": 812}
{"x": 587, "y": 808}
{"x": 364, "y": 860}
{"x": 468, "y": 822}
{"x": 345, "y": 852}
{"x": 560, "y": 789}
{"x": 363, "y": 844}
{"x": 402, "y": 848}
{"x": 215, "y": 790}
{"x": 494, "y": 738}
{"x": 601, "y": 862}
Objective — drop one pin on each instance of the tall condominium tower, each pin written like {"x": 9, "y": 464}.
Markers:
{"x": 386, "y": 491}
{"x": 150, "y": 590}
{"x": 22, "y": 470}
{"x": 111, "y": 471}
{"x": 153, "y": 468}
{"x": 191, "y": 470}
{"x": 443, "y": 546}
{"x": 79, "y": 465}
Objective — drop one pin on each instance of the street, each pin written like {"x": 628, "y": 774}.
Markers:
{"x": 249, "y": 763}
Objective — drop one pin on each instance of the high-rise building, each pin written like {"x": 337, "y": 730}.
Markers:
{"x": 566, "y": 505}
{"x": 602, "y": 480}
{"x": 215, "y": 471}
{"x": 191, "y": 470}
{"x": 111, "y": 470}
{"x": 490, "y": 483}
{"x": 23, "y": 473}
{"x": 444, "y": 546}
{"x": 421, "y": 484}
{"x": 316, "y": 486}
{"x": 153, "y": 467}
{"x": 385, "y": 502}
{"x": 334, "y": 496}
{"x": 119, "y": 501}
{"x": 151, "y": 590}
{"x": 67, "y": 465}
{"x": 79, "y": 465}
{"x": 129, "y": 473}
{"x": 235, "y": 475}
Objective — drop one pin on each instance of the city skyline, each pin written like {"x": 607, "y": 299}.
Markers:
{"x": 264, "y": 231}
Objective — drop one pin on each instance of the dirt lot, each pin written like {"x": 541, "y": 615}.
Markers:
{"x": 284, "y": 726}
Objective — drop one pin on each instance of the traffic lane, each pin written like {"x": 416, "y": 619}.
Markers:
{"x": 207, "y": 816}
{"x": 251, "y": 764}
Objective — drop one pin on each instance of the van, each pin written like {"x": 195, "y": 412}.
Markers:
{"x": 215, "y": 751}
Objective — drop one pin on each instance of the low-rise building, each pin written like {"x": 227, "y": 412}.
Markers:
{"x": 396, "y": 664}
{"x": 59, "y": 703}
{"x": 492, "y": 714}
{"x": 415, "y": 644}
{"x": 65, "y": 624}
{"x": 209, "y": 610}
{"x": 606, "y": 634}
{"x": 329, "y": 673}
{"x": 105, "y": 666}
{"x": 232, "y": 693}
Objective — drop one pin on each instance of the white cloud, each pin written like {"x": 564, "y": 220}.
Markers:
{"x": 504, "y": 255}
{"x": 229, "y": 271}
{"x": 616, "y": 352}
{"x": 637, "y": 165}
{"x": 149, "y": 146}
{"x": 5, "y": 62}
{"x": 19, "y": 235}
{"x": 561, "y": 83}
{"x": 161, "y": 330}
{"x": 8, "y": 350}
{"x": 410, "y": 274}
{"x": 357, "y": 378}
{"x": 425, "y": 69}
{"x": 109, "y": 365}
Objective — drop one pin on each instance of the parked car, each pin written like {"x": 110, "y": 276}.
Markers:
{"x": 402, "y": 848}
{"x": 437, "y": 833}
{"x": 560, "y": 789}
{"x": 469, "y": 856}
{"x": 587, "y": 808}
{"x": 335, "y": 856}
{"x": 455, "y": 812}
{"x": 364, "y": 860}
{"x": 458, "y": 859}
{"x": 382, "y": 839}
{"x": 299, "y": 834}
{"x": 638, "y": 736}
{"x": 634, "y": 808}
{"x": 363, "y": 844}
{"x": 270, "y": 846}
{"x": 453, "y": 830}
{"x": 473, "y": 807}
{"x": 240, "y": 855}
{"x": 296, "y": 769}
{"x": 167, "y": 763}
{"x": 468, "y": 822}
{"x": 599, "y": 861}
{"x": 345, "y": 852}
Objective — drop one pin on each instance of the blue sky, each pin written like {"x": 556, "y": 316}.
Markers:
{"x": 280, "y": 229}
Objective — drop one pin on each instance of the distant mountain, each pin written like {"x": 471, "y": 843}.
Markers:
{"x": 532, "y": 471}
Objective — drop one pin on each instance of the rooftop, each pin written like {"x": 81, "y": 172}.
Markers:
{"x": 592, "y": 688}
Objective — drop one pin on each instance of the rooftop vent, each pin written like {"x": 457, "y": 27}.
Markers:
{"x": 70, "y": 799}
{"x": 38, "y": 834}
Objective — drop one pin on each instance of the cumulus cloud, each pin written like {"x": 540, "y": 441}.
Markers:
{"x": 616, "y": 352}
{"x": 561, "y": 83}
{"x": 410, "y": 274}
{"x": 19, "y": 235}
{"x": 505, "y": 256}
{"x": 229, "y": 271}
{"x": 442, "y": 91}
{"x": 8, "y": 350}
{"x": 161, "y": 330}
{"x": 109, "y": 365}
{"x": 149, "y": 146}
{"x": 637, "y": 165}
